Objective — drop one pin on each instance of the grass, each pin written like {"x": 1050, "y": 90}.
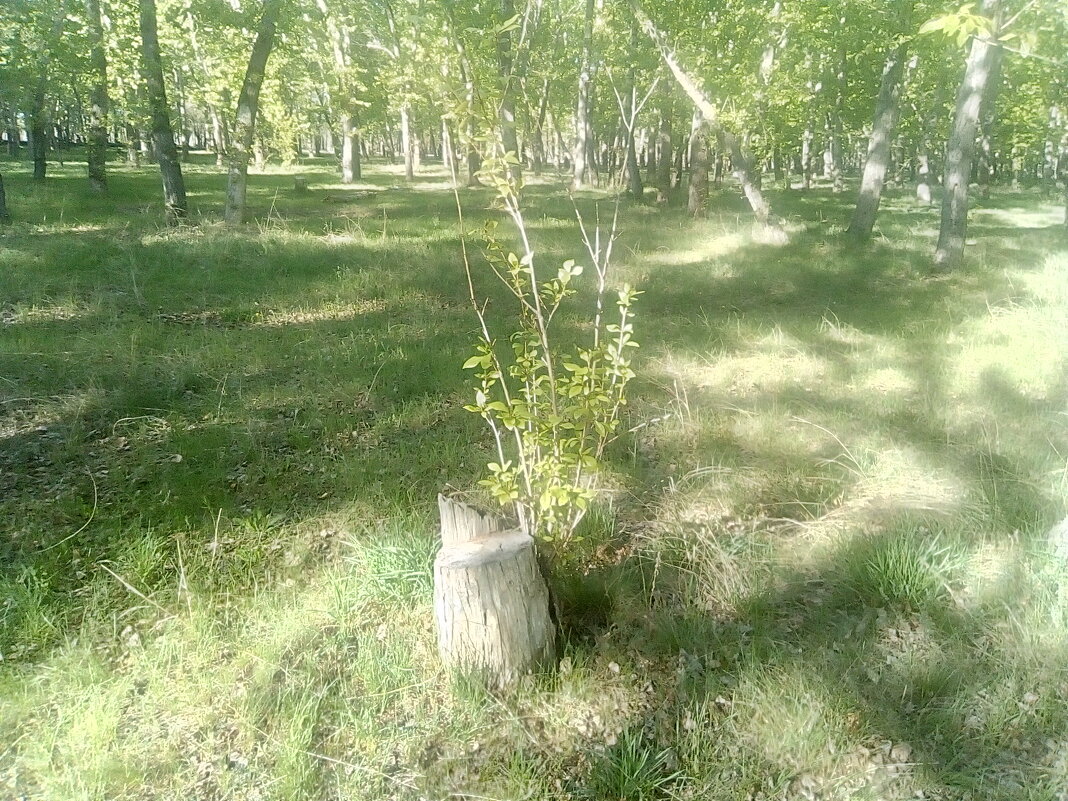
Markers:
{"x": 821, "y": 573}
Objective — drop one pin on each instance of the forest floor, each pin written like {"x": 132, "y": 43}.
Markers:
{"x": 822, "y": 570}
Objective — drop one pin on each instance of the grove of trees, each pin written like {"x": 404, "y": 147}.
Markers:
{"x": 614, "y": 93}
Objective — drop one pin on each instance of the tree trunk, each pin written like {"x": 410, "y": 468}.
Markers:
{"x": 407, "y": 145}
{"x": 357, "y": 146}
{"x": 633, "y": 174}
{"x": 38, "y": 124}
{"x": 664, "y": 151}
{"x": 133, "y": 146}
{"x": 772, "y": 228}
{"x": 348, "y": 137}
{"x": 961, "y": 148}
{"x": 247, "y": 106}
{"x": 218, "y": 136}
{"x": 882, "y": 132}
{"x": 96, "y": 151}
{"x": 506, "y": 107}
{"x": 537, "y": 145}
{"x": 984, "y": 172}
{"x": 473, "y": 159}
{"x": 698, "y": 194}
{"x": 162, "y": 135}
{"x": 5, "y": 215}
{"x": 580, "y": 155}
{"x": 490, "y": 599}
{"x": 12, "y": 133}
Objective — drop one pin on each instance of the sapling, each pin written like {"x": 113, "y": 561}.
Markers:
{"x": 552, "y": 406}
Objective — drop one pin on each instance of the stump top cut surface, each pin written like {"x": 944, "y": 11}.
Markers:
{"x": 485, "y": 550}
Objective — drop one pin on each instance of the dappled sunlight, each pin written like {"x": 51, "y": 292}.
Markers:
{"x": 712, "y": 247}
{"x": 810, "y": 523}
{"x": 273, "y": 318}
{"x": 1021, "y": 216}
{"x": 881, "y": 488}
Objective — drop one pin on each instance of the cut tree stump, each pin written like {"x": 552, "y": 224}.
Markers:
{"x": 490, "y": 598}
{"x": 300, "y": 184}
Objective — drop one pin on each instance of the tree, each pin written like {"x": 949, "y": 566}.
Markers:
{"x": 38, "y": 118}
{"x": 5, "y": 215}
{"x": 162, "y": 134}
{"x": 96, "y": 151}
{"x": 727, "y": 140}
{"x": 509, "y": 82}
{"x": 580, "y": 154}
{"x": 882, "y": 130}
{"x": 247, "y": 106}
{"x": 974, "y": 88}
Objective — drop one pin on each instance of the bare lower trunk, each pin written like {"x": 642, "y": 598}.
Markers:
{"x": 5, "y": 215}
{"x": 97, "y": 146}
{"x": 698, "y": 194}
{"x": 663, "y": 158}
{"x": 407, "y": 145}
{"x": 39, "y": 150}
{"x": 581, "y": 153}
{"x": 245, "y": 120}
{"x": 538, "y": 138}
{"x": 961, "y": 148}
{"x": 133, "y": 147}
{"x": 806, "y": 157}
{"x": 348, "y": 141}
{"x": 506, "y": 106}
{"x": 882, "y": 132}
{"x": 162, "y": 134}
{"x": 635, "y": 188}
{"x": 218, "y": 135}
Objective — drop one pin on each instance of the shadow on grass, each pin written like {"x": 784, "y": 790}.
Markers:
{"x": 162, "y": 382}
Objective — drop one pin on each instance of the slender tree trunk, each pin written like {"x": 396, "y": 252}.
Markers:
{"x": 985, "y": 166}
{"x": 882, "y": 132}
{"x": 743, "y": 171}
{"x": 12, "y": 133}
{"x": 698, "y": 194}
{"x": 5, "y": 215}
{"x": 664, "y": 151}
{"x": 806, "y": 156}
{"x": 162, "y": 134}
{"x": 537, "y": 145}
{"x": 218, "y": 136}
{"x": 407, "y": 144}
{"x": 38, "y": 122}
{"x": 133, "y": 146}
{"x": 96, "y": 152}
{"x": 247, "y": 107}
{"x": 635, "y": 188}
{"x": 580, "y": 156}
{"x": 961, "y": 148}
{"x": 347, "y": 154}
{"x": 357, "y": 145}
{"x": 506, "y": 107}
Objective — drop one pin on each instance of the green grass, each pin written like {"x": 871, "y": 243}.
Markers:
{"x": 820, "y": 573}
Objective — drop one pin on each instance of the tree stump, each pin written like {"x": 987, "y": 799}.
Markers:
{"x": 490, "y": 599}
{"x": 300, "y": 184}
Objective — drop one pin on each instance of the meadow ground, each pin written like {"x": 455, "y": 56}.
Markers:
{"x": 821, "y": 570}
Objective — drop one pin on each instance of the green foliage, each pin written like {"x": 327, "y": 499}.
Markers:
{"x": 552, "y": 406}
{"x": 961, "y": 25}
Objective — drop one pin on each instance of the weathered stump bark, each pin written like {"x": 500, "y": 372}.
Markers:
{"x": 300, "y": 185}
{"x": 490, "y": 599}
